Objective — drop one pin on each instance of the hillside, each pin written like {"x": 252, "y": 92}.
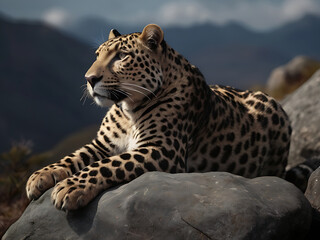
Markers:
{"x": 300, "y": 37}
{"x": 227, "y": 55}
{"x": 230, "y": 54}
{"x": 42, "y": 71}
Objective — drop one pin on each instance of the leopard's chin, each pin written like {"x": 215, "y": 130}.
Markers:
{"x": 103, "y": 102}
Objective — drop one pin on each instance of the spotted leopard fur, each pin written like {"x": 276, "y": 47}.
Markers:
{"x": 164, "y": 118}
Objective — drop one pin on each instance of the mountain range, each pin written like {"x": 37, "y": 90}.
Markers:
{"x": 229, "y": 54}
{"x": 42, "y": 68}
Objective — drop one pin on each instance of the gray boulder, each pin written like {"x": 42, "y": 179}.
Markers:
{"x": 312, "y": 194}
{"x": 303, "y": 108}
{"x": 159, "y": 205}
{"x": 287, "y": 78}
{"x": 313, "y": 190}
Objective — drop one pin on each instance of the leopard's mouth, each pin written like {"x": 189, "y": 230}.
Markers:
{"x": 112, "y": 95}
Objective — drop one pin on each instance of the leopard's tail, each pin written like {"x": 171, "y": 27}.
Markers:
{"x": 299, "y": 175}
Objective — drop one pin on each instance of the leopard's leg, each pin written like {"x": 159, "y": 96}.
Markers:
{"x": 47, "y": 177}
{"x": 78, "y": 190}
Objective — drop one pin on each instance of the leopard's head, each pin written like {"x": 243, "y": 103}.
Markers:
{"x": 127, "y": 68}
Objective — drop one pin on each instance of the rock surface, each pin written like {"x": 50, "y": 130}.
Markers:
{"x": 159, "y": 205}
{"x": 313, "y": 190}
{"x": 312, "y": 194}
{"x": 285, "y": 79}
{"x": 300, "y": 174}
{"x": 303, "y": 108}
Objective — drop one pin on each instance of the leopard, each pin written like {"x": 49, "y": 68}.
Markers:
{"x": 163, "y": 116}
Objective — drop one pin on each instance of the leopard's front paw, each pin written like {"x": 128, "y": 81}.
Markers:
{"x": 69, "y": 194}
{"x": 44, "y": 179}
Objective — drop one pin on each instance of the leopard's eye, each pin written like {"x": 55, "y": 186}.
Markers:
{"x": 122, "y": 55}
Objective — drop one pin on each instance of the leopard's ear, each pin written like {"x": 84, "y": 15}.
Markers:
{"x": 152, "y": 36}
{"x": 113, "y": 33}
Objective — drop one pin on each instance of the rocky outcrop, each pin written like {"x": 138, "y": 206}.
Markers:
{"x": 313, "y": 189}
{"x": 159, "y": 205}
{"x": 285, "y": 79}
{"x": 303, "y": 108}
{"x": 312, "y": 194}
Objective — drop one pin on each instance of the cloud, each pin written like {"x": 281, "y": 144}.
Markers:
{"x": 292, "y": 9}
{"x": 255, "y": 14}
{"x": 56, "y": 17}
{"x": 183, "y": 13}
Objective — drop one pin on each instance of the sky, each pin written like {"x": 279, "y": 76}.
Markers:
{"x": 256, "y": 14}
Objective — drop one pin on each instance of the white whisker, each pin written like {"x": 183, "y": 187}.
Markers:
{"x": 135, "y": 90}
{"x": 83, "y": 86}
{"x": 125, "y": 93}
{"x": 84, "y": 96}
{"x": 135, "y": 85}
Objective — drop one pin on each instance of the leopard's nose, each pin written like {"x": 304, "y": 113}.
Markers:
{"x": 93, "y": 79}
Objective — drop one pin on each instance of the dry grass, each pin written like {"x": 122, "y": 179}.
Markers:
{"x": 16, "y": 165}
{"x": 11, "y": 211}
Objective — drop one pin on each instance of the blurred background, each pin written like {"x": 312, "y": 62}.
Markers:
{"x": 47, "y": 46}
